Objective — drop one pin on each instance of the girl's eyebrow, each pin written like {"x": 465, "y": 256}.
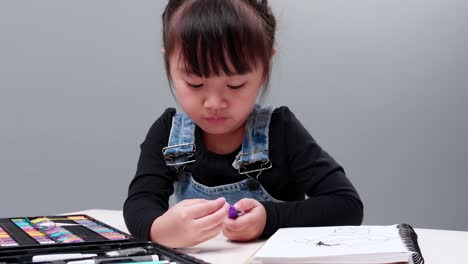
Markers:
{"x": 187, "y": 72}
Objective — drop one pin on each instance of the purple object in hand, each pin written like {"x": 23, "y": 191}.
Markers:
{"x": 232, "y": 212}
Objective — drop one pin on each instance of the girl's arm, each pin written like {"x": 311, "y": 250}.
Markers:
{"x": 149, "y": 191}
{"x": 332, "y": 199}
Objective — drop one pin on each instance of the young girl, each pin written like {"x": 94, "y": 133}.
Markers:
{"x": 224, "y": 148}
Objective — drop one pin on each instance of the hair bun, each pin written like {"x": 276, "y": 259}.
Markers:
{"x": 260, "y": 5}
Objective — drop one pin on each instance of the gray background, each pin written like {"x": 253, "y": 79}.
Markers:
{"x": 381, "y": 85}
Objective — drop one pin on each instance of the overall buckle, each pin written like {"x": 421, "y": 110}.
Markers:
{"x": 170, "y": 158}
{"x": 246, "y": 168}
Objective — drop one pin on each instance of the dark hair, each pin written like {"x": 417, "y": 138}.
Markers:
{"x": 211, "y": 33}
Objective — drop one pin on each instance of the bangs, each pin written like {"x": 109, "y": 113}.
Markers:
{"x": 218, "y": 37}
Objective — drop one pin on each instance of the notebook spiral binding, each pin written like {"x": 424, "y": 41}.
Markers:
{"x": 410, "y": 238}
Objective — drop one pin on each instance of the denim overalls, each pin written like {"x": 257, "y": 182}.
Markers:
{"x": 251, "y": 161}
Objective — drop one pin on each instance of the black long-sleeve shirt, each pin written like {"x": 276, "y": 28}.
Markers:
{"x": 301, "y": 168}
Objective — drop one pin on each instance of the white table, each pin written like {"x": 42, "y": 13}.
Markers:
{"x": 437, "y": 246}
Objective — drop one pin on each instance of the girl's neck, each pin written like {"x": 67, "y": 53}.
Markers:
{"x": 224, "y": 144}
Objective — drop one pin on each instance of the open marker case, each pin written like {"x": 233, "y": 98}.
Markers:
{"x": 21, "y": 238}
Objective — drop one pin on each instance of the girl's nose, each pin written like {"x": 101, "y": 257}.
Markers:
{"x": 215, "y": 102}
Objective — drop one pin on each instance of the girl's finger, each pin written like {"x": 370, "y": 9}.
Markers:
{"x": 236, "y": 224}
{"x": 210, "y": 233}
{"x": 233, "y": 235}
{"x": 199, "y": 210}
{"x": 188, "y": 202}
{"x": 209, "y": 221}
{"x": 246, "y": 204}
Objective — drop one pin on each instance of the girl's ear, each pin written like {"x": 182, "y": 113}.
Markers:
{"x": 273, "y": 53}
{"x": 163, "y": 51}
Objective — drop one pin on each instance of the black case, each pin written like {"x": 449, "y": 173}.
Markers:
{"x": 97, "y": 237}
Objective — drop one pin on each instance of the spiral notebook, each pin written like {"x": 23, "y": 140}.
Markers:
{"x": 342, "y": 245}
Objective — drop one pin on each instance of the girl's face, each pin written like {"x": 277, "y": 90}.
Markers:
{"x": 219, "y": 105}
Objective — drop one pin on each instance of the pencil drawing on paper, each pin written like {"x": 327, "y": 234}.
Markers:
{"x": 347, "y": 236}
{"x": 321, "y": 243}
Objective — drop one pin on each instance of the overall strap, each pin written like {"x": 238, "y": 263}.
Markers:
{"x": 253, "y": 156}
{"x": 181, "y": 146}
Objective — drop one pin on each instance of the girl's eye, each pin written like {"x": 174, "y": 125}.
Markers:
{"x": 195, "y": 85}
{"x": 236, "y": 86}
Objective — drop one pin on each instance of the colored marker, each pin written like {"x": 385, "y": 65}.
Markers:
{"x": 29, "y": 229}
{"x": 233, "y": 213}
{"x": 5, "y": 239}
{"x": 150, "y": 262}
{"x": 97, "y": 260}
{"x": 126, "y": 252}
{"x": 101, "y": 230}
{"x": 52, "y": 257}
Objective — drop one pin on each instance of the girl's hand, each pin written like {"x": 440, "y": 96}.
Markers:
{"x": 248, "y": 226}
{"x": 189, "y": 222}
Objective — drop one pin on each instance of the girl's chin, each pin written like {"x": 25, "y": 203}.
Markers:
{"x": 217, "y": 129}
